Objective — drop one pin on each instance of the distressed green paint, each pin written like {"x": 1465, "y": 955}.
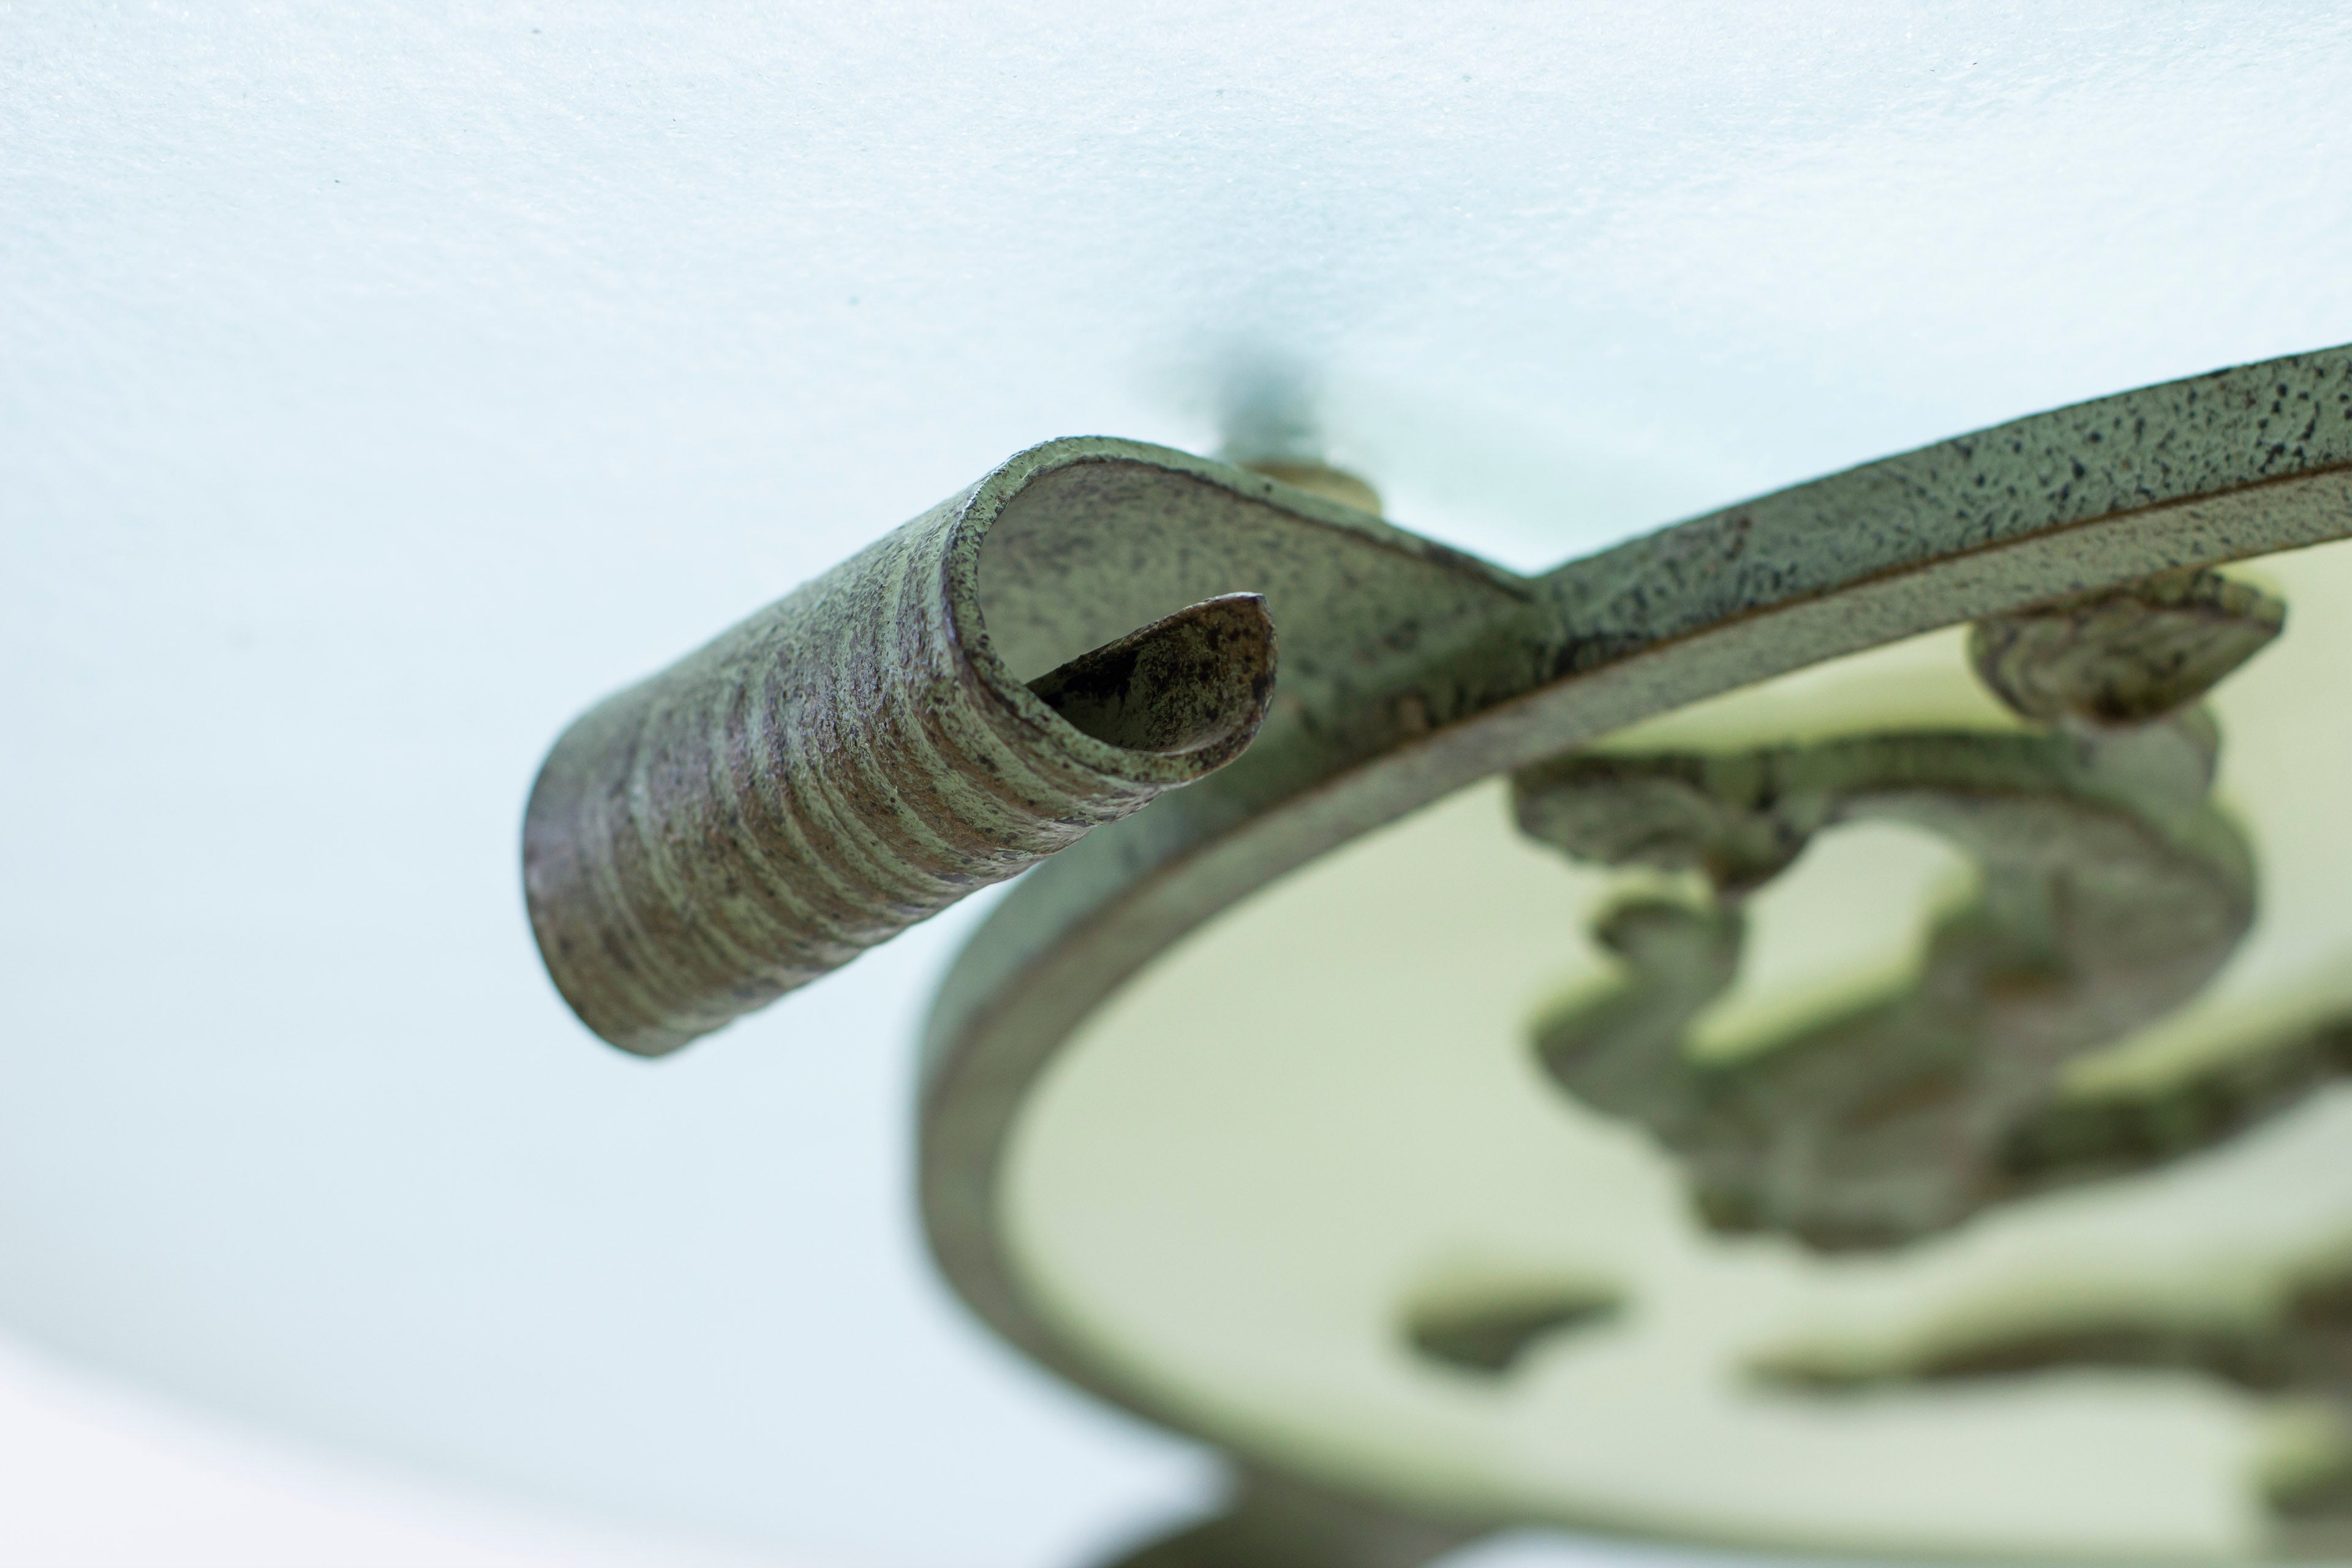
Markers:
{"x": 2113, "y": 891}
{"x": 840, "y": 765}
{"x": 2221, "y": 468}
{"x": 1406, "y": 670}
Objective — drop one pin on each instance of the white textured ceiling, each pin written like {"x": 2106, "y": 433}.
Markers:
{"x": 378, "y": 385}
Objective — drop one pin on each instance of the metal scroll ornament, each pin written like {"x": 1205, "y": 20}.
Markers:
{"x": 1159, "y": 684}
{"x": 2112, "y": 891}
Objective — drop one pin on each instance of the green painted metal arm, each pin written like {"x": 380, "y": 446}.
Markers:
{"x": 874, "y": 746}
{"x": 1033, "y": 675}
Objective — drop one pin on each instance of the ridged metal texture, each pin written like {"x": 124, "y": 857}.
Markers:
{"x": 848, "y": 761}
{"x": 1408, "y": 669}
{"x": 2037, "y": 518}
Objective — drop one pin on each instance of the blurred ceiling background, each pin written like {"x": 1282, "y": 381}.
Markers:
{"x": 379, "y": 385}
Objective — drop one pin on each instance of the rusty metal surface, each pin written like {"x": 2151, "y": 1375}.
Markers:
{"x": 2039, "y": 513}
{"x": 2113, "y": 891}
{"x": 837, "y": 766}
{"x": 847, "y": 762}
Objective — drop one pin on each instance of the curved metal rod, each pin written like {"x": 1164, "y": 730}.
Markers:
{"x": 860, "y": 755}
{"x": 2224, "y": 467}
{"x": 2111, "y": 891}
{"x": 876, "y": 745}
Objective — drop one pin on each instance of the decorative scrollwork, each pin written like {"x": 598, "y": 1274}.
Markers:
{"x": 2297, "y": 1347}
{"x": 2127, "y": 656}
{"x": 2112, "y": 891}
